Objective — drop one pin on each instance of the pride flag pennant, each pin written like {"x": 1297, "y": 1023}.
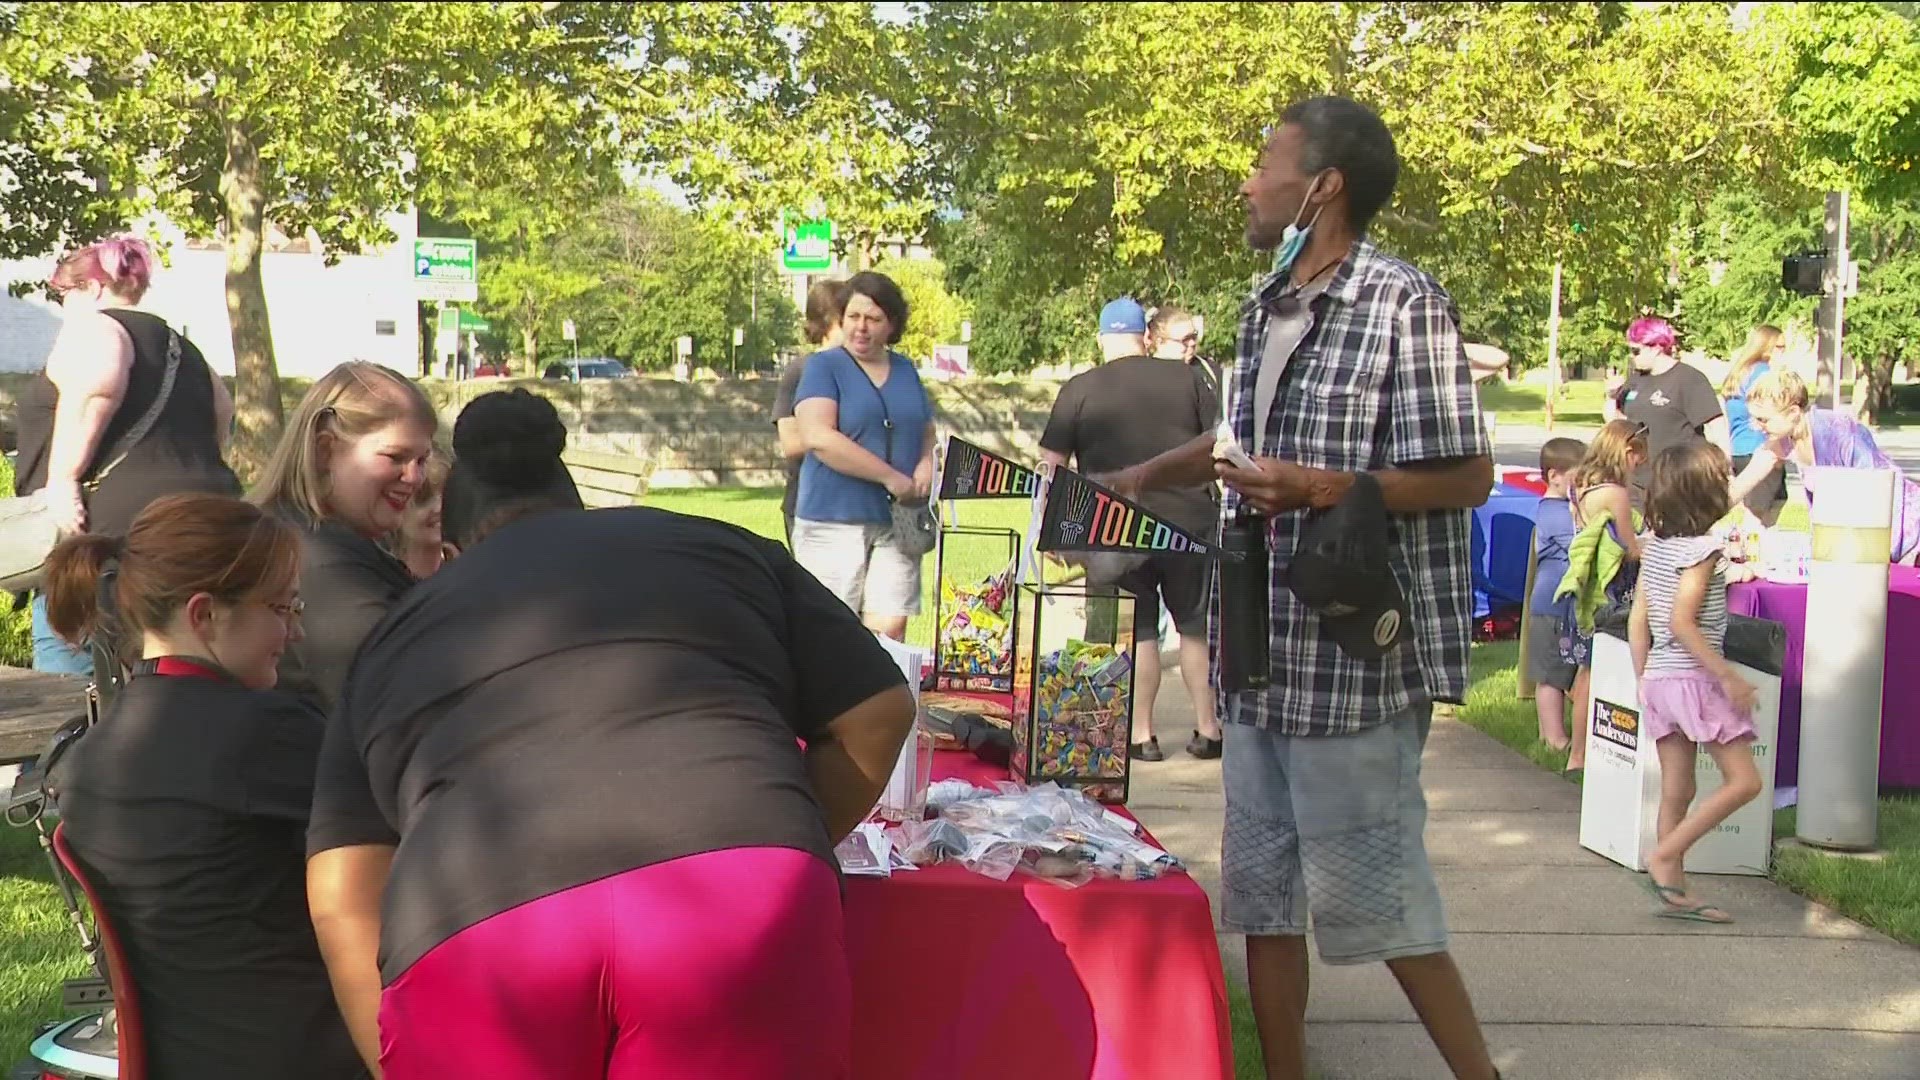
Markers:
{"x": 1077, "y": 514}
{"x": 970, "y": 472}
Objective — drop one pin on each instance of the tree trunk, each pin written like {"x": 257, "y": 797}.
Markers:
{"x": 256, "y": 377}
{"x": 1878, "y": 399}
{"x": 530, "y": 344}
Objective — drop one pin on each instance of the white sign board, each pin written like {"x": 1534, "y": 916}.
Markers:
{"x": 683, "y": 346}
{"x": 463, "y": 292}
{"x": 905, "y": 796}
{"x": 1620, "y": 795}
{"x": 568, "y": 332}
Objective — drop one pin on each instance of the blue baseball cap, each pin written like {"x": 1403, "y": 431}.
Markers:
{"x": 1123, "y": 316}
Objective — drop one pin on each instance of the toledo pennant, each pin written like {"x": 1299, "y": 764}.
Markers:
{"x": 1117, "y": 524}
{"x": 1000, "y": 477}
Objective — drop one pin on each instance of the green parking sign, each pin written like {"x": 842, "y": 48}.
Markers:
{"x": 446, "y": 268}
{"x": 807, "y": 245}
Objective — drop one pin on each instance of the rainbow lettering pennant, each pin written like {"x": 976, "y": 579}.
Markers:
{"x": 1080, "y": 515}
{"x": 969, "y": 472}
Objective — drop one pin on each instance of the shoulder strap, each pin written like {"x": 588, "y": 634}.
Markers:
{"x": 886, "y": 416}
{"x": 131, "y": 437}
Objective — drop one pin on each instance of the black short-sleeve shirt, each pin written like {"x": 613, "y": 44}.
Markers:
{"x": 1129, "y": 410}
{"x": 187, "y": 808}
{"x": 783, "y": 410}
{"x": 347, "y": 583}
{"x": 581, "y": 694}
{"x": 1675, "y": 405}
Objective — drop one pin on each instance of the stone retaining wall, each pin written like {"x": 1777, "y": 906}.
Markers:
{"x": 718, "y": 433}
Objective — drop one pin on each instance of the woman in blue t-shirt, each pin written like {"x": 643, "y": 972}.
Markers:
{"x": 1754, "y": 360}
{"x": 868, "y": 427}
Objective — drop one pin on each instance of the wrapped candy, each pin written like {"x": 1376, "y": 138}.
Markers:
{"x": 976, "y": 634}
{"x": 1073, "y": 691}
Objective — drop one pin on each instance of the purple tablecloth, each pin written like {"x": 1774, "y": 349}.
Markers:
{"x": 1900, "y": 701}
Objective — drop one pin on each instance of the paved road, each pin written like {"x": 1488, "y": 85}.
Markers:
{"x": 1521, "y": 445}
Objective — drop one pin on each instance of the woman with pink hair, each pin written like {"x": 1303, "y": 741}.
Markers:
{"x": 126, "y": 411}
{"x": 1674, "y": 403}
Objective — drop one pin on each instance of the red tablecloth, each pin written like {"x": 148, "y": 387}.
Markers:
{"x": 1900, "y": 689}
{"x": 958, "y": 977}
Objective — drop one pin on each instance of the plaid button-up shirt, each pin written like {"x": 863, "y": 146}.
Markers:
{"x": 1380, "y": 380}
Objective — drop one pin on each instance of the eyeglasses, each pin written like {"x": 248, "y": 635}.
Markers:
{"x": 290, "y": 610}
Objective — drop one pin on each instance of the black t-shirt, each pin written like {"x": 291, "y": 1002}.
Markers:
{"x": 179, "y": 454}
{"x": 582, "y": 694}
{"x": 187, "y": 807}
{"x": 1675, "y": 405}
{"x": 783, "y": 410}
{"x": 1129, "y": 410}
{"x": 347, "y": 583}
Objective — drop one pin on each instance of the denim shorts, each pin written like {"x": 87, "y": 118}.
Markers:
{"x": 1332, "y": 824}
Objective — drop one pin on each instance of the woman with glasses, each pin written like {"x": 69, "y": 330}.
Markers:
{"x": 1674, "y": 402}
{"x": 103, "y": 429}
{"x": 186, "y": 805}
{"x": 345, "y": 475}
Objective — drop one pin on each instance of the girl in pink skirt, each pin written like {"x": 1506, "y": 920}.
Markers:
{"x": 1690, "y": 696}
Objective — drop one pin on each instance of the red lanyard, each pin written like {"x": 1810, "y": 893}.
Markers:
{"x": 174, "y": 665}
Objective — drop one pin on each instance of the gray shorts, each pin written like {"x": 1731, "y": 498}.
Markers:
{"x": 1334, "y": 824}
{"x": 860, "y": 564}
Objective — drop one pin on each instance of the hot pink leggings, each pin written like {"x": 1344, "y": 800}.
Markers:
{"x": 728, "y": 964}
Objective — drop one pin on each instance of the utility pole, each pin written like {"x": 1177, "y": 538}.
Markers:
{"x": 1831, "y": 316}
{"x": 1553, "y": 346}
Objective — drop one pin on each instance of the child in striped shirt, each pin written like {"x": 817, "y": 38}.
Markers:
{"x": 1690, "y": 696}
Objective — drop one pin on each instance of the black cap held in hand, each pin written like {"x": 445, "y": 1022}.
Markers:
{"x": 1340, "y": 570}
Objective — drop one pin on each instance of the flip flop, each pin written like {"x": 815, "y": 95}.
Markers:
{"x": 1698, "y": 914}
{"x": 1671, "y": 910}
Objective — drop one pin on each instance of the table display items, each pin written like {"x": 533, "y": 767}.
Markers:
{"x": 1073, "y": 689}
{"x": 905, "y": 796}
{"x": 974, "y": 623}
{"x": 1741, "y": 534}
{"x": 1056, "y": 833}
{"x": 1786, "y": 556}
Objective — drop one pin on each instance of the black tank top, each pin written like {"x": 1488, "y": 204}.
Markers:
{"x": 180, "y": 453}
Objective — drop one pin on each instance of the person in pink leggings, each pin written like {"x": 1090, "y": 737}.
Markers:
{"x": 564, "y": 824}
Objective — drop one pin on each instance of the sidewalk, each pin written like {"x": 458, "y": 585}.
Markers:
{"x": 1572, "y": 974}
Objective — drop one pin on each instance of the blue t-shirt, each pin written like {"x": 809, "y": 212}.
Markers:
{"x": 826, "y": 495}
{"x": 1743, "y": 437}
{"x": 1553, "y": 533}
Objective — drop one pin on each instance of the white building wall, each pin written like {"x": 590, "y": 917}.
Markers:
{"x": 321, "y": 315}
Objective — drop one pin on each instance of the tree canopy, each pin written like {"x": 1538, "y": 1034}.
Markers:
{"x": 1055, "y": 154}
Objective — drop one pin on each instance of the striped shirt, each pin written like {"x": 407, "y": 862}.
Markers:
{"x": 1379, "y": 380}
{"x": 1662, "y": 562}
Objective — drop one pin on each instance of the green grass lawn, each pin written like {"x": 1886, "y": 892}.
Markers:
{"x": 38, "y": 947}
{"x": 1525, "y": 405}
{"x": 969, "y": 558}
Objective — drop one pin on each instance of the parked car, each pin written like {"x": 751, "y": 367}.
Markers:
{"x": 593, "y": 367}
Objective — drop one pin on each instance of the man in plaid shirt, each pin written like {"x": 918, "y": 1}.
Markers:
{"x": 1350, "y": 361}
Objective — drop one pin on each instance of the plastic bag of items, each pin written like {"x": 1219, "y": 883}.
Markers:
{"x": 1055, "y": 833}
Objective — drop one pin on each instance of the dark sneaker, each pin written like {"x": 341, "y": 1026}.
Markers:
{"x": 1203, "y": 748}
{"x": 1146, "y": 751}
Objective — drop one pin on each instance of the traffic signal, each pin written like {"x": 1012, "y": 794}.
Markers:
{"x": 1804, "y": 273}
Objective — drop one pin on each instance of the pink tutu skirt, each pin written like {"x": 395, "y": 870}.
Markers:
{"x": 1690, "y": 703}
